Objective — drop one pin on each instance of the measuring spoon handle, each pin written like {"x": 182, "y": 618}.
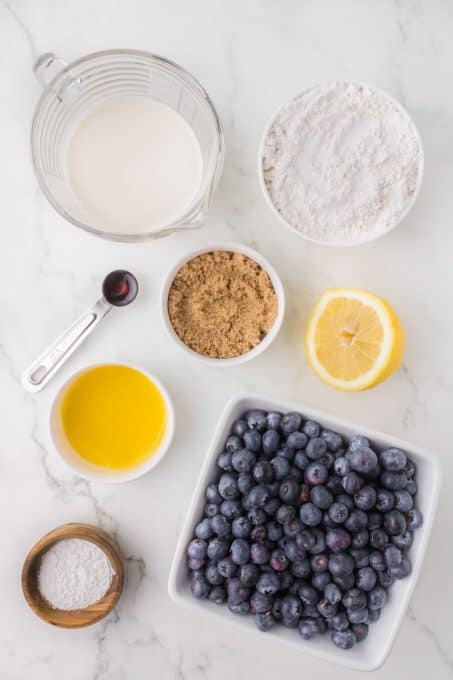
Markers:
{"x": 38, "y": 374}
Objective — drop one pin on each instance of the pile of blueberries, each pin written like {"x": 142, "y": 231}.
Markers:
{"x": 304, "y": 528}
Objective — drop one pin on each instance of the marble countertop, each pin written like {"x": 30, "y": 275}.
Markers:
{"x": 251, "y": 57}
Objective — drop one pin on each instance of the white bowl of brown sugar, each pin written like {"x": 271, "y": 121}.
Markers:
{"x": 223, "y": 303}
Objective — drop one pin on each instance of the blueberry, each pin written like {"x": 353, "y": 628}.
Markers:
{"x": 411, "y": 486}
{"x": 341, "y": 564}
{"x": 326, "y": 608}
{"x": 340, "y": 621}
{"x": 344, "y": 639}
{"x": 358, "y": 615}
{"x": 332, "y": 439}
{"x": 292, "y": 527}
{"x": 308, "y": 594}
{"x": 414, "y": 519}
{"x": 345, "y": 582}
{"x": 237, "y": 591}
{"x": 240, "y": 551}
{"x": 296, "y": 440}
{"x": 332, "y": 593}
{"x": 311, "y": 428}
{"x": 220, "y": 525}
{"x": 278, "y": 560}
{"x": 258, "y": 496}
{"x": 268, "y": 584}
{"x": 295, "y": 474}
{"x": 316, "y": 448}
{"x": 357, "y": 441}
{"x": 307, "y": 628}
{"x": 360, "y": 539}
{"x": 271, "y": 506}
{"x": 363, "y": 460}
{"x": 241, "y": 527}
{"x": 366, "y": 580}
{"x": 385, "y": 579}
{"x": 233, "y": 443}
{"x": 197, "y": 548}
{"x": 211, "y": 509}
{"x": 360, "y": 631}
{"x": 374, "y": 520}
{"x": 402, "y": 570}
{"x": 217, "y": 548}
{"x": 377, "y": 598}
{"x": 280, "y": 467}
{"x": 203, "y": 529}
{"x": 285, "y": 452}
{"x": 256, "y": 420}
{"x": 249, "y": 574}
{"x": 290, "y": 422}
{"x": 393, "y": 460}
{"x": 301, "y": 460}
{"x": 395, "y": 523}
{"x": 320, "y": 543}
{"x": 252, "y": 441}
{"x": 243, "y": 608}
{"x": 218, "y": 595}
{"x": 289, "y": 491}
{"x": 292, "y": 551}
{"x": 316, "y": 473}
{"x": 259, "y": 554}
{"x": 257, "y": 516}
{"x": 403, "y": 541}
{"x": 224, "y": 461}
{"x": 245, "y": 483}
{"x": 393, "y": 480}
{"x": 334, "y": 484}
{"x": 306, "y": 539}
{"x": 213, "y": 575}
{"x": 270, "y": 442}
{"x": 410, "y": 469}
{"x": 195, "y": 563}
{"x": 260, "y": 603}
{"x": 304, "y": 495}
{"x": 240, "y": 427}
{"x": 262, "y": 472}
{"x": 338, "y": 539}
{"x": 319, "y": 563}
{"x": 228, "y": 487}
{"x": 285, "y": 513}
{"x": 274, "y": 531}
{"x": 300, "y": 568}
{"x": 378, "y": 539}
{"x": 357, "y": 520}
{"x": 341, "y": 466}
{"x": 365, "y": 498}
{"x": 290, "y": 623}
{"x": 338, "y": 512}
{"x": 231, "y": 509}
{"x": 392, "y": 556}
{"x": 273, "y": 487}
{"x": 226, "y": 567}
{"x": 373, "y": 615}
{"x": 351, "y": 483}
{"x": 354, "y": 599}
{"x": 264, "y": 622}
{"x": 277, "y": 609}
{"x": 200, "y": 588}
{"x": 243, "y": 460}
{"x": 286, "y": 580}
{"x": 259, "y": 534}
{"x": 310, "y": 515}
{"x": 321, "y": 497}
{"x": 274, "y": 419}
{"x": 311, "y": 611}
{"x": 377, "y": 560}
{"x": 361, "y": 557}
{"x": 212, "y": 494}
{"x": 291, "y": 607}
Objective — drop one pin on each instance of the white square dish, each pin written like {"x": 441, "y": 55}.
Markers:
{"x": 372, "y": 652}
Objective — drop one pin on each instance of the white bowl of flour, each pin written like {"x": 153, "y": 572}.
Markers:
{"x": 341, "y": 164}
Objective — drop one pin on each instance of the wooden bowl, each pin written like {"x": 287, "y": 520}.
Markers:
{"x": 78, "y": 617}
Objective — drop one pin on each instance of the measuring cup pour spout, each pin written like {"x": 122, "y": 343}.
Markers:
{"x": 119, "y": 288}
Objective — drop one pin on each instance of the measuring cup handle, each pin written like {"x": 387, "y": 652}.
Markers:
{"x": 38, "y": 374}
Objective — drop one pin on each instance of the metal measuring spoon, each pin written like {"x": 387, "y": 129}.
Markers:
{"x": 119, "y": 289}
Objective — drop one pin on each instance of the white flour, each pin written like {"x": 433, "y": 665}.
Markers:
{"x": 74, "y": 574}
{"x": 341, "y": 163}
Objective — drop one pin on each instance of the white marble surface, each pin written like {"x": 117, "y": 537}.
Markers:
{"x": 251, "y": 56}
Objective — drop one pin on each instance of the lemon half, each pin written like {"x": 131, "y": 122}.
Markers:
{"x": 354, "y": 339}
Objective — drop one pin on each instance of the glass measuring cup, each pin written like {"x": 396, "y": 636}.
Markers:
{"x": 73, "y": 90}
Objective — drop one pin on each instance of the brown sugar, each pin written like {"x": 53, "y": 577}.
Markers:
{"x": 222, "y": 304}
